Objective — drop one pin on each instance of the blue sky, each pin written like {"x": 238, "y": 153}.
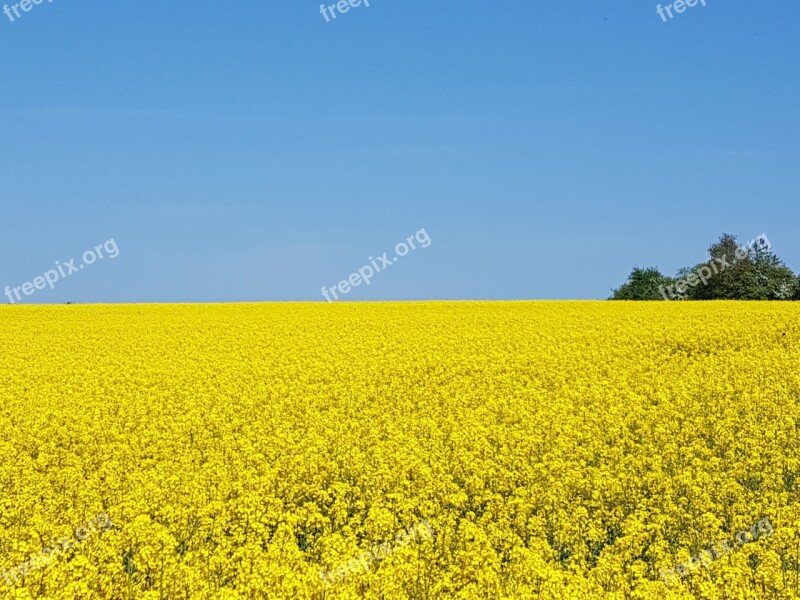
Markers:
{"x": 249, "y": 150}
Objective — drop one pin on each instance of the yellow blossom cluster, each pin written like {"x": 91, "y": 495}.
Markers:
{"x": 554, "y": 449}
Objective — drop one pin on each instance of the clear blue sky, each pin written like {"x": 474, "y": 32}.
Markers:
{"x": 249, "y": 150}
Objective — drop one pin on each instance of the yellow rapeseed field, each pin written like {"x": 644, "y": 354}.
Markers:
{"x": 400, "y": 451}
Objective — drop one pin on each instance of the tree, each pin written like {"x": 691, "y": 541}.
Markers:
{"x": 642, "y": 284}
{"x": 733, "y": 272}
{"x": 749, "y": 272}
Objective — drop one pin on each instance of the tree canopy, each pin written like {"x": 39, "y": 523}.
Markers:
{"x": 732, "y": 272}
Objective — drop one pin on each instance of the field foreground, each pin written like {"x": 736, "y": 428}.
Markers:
{"x": 401, "y": 451}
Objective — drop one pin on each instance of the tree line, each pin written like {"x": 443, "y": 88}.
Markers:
{"x": 732, "y": 272}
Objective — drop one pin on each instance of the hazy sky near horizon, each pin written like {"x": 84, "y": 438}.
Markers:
{"x": 251, "y": 151}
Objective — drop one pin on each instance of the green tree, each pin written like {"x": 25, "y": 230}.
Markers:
{"x": 643, "y": 284}
{"x": 750, "y": 272}
{"x": 733, "y": 272}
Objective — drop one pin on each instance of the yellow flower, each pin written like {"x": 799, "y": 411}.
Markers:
{"x": 554, "y": 449}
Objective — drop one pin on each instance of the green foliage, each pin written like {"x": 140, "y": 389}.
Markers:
{"x": 733, "y": 272}
{"x": 642, "y": 284}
